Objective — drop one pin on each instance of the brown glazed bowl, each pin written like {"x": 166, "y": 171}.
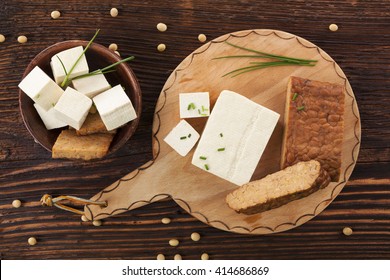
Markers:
{"x": 98, "y": 57}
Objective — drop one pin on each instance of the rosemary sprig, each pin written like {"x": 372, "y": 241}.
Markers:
{"x": 277, "y": 60}
{"x": 65, "y": 81}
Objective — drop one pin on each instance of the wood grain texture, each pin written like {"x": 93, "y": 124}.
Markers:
{"x": 360, "y": 47}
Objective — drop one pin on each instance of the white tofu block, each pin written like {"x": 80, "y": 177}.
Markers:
{"x": 182, "y": 138}
{"x": 91, "y": 85}
{"x": 68, "y": 58}
{"x": 194, "y": 105}
{"x": 49, "y": 117}
{"x": 40, "y": 88}
{"x": 72, "y": 108}
{"x": 115, "y": 107}
{"x": 234, "y": 138}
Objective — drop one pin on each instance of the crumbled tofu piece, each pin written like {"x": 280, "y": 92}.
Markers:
{"x": 91, "y": 85}
{"x": 40, "y": 88}
{"x": 234, "y": 138}
{"x": 72, "y": 108}
{"x": 68, "y": 58}
{"x": 115, "y": 107}
{"x": 49, "y": 117}
{"x": 194, "y": 105}
{"x": 182, "y": 138}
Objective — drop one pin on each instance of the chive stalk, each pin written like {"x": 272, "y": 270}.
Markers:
{"x": 277, "y": 60}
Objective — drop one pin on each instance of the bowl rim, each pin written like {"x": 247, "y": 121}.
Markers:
{"x": 110, "y": 55}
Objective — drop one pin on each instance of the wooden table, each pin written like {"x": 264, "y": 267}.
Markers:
{"x": 360, "y": 47}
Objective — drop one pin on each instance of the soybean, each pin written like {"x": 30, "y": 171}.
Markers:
{"x": 333, "y": 27}
{"x": 114, "y": 12}
{"x": 32, "y": 241}
{"x": 55, "y": 14}
{"x": 162, "y": 27}
{"x": 16, "y": 203}
{"x": 161, "y": 47}
{"x": 165, "y": 221}
{"x": 174, "y": 242}
{"x": 22, "y": 39}
{"x": 202, "y": 38}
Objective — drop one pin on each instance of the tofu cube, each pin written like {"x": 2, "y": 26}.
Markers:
{"x": 49, "y": 117}
{"x": 234, "y": 138}
{"x": 68, "y": 58}
{"x": 115, "y": 107}
{"x": 91, "y": 85}
{"x": 194, "y": 105}
{"x": 40, "y": 88}
{"x": 182, "y": 138}
{"x": 72, "y": 108}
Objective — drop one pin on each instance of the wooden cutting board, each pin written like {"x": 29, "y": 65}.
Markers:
{"x": 203, "y": 194}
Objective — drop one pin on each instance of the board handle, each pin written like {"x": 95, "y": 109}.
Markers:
{"x": 140, "y": 187}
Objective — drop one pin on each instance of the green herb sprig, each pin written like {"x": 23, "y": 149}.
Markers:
{"x": 277, "y": 60}
{"x": 105, "y": 70}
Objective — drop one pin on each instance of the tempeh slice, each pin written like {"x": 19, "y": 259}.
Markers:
{"x": 314, "y": 124}
{"x": 279, "y": 188}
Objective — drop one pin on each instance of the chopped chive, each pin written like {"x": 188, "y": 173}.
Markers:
{"x": 221, "y": 135}
{"x": 204, "y": 109}
{"x": 191, "y": 106}
{"x": 206, "y": 167}
{"x": 199, "y": 112}
{"x": 183, "y": 137}
{"x": 221, "y": 149}
{"x": 300, "y": 108}
{"x": 53, "y": 104}
{"x": 38, "y": 95}
{"x": 203, "y": 157}
{"x": 294, "y": 96}
{"x": 189, "y": 135}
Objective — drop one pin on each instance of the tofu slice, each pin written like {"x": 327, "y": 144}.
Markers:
{"x": 182, "y": 138}
{"x": 114, "y": 107}
{"x": 72, "y": 108}
{"x": 234, "y": 138}
{"x": 92, "y": 85}
{"x": 49, "y": 118}
{"x": 194, "y": 105}
{"x": 40, "y": 88}
{"x": 68, "y": 58}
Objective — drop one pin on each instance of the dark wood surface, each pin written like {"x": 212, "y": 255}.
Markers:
{"x": 360, "y": 46}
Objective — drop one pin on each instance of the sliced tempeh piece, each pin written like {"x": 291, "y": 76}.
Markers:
{"x": 70, "y": 145}
{"x": 279, "y": 188}
{"x": 314, "y": 124}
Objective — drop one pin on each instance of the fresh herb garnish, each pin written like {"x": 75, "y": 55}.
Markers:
{"x": 183, "y": 137}
{"x": 206, "y": 166}
{"x": 203, "y": 157}
{"x": 294, "y": 96}
{"x": 105, "y": 70}
{"x": 221, "y": 135}
{"x": 189, "y": 135}
{"x": 191, "y": 106}
{"x": 65, "y": 81}
{"x": 300, "y": 108}
{"x": 221, "y": 149}
{"x": 277, "y": 60}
